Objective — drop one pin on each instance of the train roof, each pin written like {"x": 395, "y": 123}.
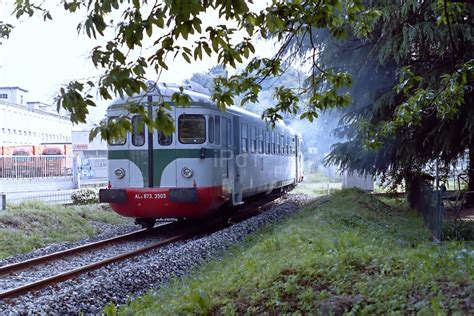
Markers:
{"x": 196, "y": 93}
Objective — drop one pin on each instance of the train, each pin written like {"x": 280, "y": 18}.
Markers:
{"x": 212, "y": 160}
{"x": 26, "y": 161}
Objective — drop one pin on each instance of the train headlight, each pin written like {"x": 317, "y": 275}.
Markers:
{"x": 186, "y": 172}
{"x": 119, "y": 173}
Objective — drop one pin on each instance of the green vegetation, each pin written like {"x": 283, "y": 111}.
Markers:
{"x": 347, "y": 253}
{"x": 316, "y": 188}
{"x": 85, "y": 196}
{"x": 34, "y": 224}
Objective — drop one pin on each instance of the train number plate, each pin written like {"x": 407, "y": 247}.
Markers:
{"x": 150, "y": 196}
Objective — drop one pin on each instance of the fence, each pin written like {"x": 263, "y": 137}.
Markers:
{"x": 54, "y": 197}
{"x": 51, "y": 179}
{"x": 15, "y": 167}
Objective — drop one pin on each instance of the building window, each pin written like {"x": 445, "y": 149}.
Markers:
{"x": 3, "y": 96}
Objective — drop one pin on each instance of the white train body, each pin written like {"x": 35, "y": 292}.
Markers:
{"x": 212, "y": 158}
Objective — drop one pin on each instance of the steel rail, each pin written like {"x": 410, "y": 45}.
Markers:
{"x": 253, "y": 208}
{"x": 22, "y": 265}
{"x": 87, "y": 268}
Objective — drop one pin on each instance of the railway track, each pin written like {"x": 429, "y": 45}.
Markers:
{"x": 37, "y": 262}
{"x": 181, "y": 232}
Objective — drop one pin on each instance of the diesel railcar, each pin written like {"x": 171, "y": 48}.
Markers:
{"x": 213, "y": 158}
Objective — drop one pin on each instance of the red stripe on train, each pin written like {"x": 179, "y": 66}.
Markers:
{"x": 156, "y": 203}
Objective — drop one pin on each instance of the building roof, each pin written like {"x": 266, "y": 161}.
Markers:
{"x": 14, "y": 88}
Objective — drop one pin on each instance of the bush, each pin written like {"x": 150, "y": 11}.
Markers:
{"x": 85, "y": 196}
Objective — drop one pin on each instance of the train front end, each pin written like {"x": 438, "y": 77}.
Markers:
{"x": 153, "y": 175}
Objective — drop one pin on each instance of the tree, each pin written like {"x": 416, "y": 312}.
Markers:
{"x": 427, "y": 45}
{"x": 207, "y": 79}
{"x": 177, "y": 29}
{"x": 412, "y": 91}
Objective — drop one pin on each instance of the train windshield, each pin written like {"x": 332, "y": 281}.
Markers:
{"x": 116, "y": 139}
{"x": 192, "y": 129}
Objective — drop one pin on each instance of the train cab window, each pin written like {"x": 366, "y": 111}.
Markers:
{"x": 138, "y": 131}
{"x": 217, "y": 120}
{"x": 244, "y": 138}
{"x": 253, "y": 139}
{"x": 165, "y": 140}
{"x": 116, "y": 141}
{"x": 211, "y": 129}
{"x": 192, "y": 129}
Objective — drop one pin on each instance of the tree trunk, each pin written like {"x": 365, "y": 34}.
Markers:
{"x": 414, "y": 190}
{"x": 470, "y": 171}
{"x": 470, "y": 175}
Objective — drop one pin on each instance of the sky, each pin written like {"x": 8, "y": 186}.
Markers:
{"x": 42, "y": 56}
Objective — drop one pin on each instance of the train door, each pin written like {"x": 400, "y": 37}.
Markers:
{"x": 227, "y": 156}
{"x": 136, "y": 148}
{"x": 237, "y": 194}
{"x": 165, "y": 156}
{"x": 297, "y": 149}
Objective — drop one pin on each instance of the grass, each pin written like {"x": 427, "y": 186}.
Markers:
{"x": 351, "y": 253}
{"x": 316, "y": 188}
{"x": 34, "y": 224}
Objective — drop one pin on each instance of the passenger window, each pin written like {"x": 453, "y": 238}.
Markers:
{"x": 274, "y": 143}
{"x": 225, "y": 152}
{"x": 229, "y": 133}
{"x": 253, "y": 136}
{"x": 165, "y": 140}
{"x": 269, "y": 143}
{"x": 244, "y": 138}
{"x": 192, "y": 129}
{"x": 261, "y": 140}
{"x": 278, "y": 143}
{"x": 120, "y": 140}
{"x": 211, "y": 129}
{"x": 282, "y": 142}
{"x": 138, "y": 131}
{"x": 217, "y": 129}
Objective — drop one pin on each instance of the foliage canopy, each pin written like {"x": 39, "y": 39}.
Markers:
{"x": 408, "y": 66}
{"x": 176, "y": 28}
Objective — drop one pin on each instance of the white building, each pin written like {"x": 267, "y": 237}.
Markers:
{"x": 97, "y": 148}
{"x": 356, "y": 180}
{"x": 30, "y": 123}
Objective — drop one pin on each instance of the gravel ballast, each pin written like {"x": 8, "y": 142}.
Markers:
{"x": 119, "y": 282}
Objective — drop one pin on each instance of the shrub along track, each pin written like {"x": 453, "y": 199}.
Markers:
{"x": 149, "y": 239}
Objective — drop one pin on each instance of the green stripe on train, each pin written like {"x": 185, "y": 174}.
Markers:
{"x": 162, "y": 158}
